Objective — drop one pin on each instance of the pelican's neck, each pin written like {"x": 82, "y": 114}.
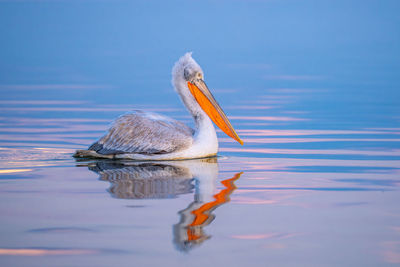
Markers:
{"x": 205, "y": 138}
{"x": 205, "y": 135}
{"x": 201, "y": 119}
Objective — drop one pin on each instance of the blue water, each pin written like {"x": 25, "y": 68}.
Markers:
{"x": 312, "y": 87}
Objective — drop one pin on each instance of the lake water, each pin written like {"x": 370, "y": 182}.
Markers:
{"x": 312, "y": 88}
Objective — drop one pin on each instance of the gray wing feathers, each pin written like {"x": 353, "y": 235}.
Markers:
{"x": 144, "y": 133}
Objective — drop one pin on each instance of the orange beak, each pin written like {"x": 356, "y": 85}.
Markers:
{"x": 207, "y": 102}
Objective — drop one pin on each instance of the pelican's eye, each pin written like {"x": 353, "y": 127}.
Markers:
{"x": 199, "y": 76}
{"x": 186, "y": 74}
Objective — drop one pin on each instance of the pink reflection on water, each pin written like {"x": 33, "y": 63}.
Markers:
{"x": 253, "y": 107}
{"x": 23, "y": 145}
{"x": 82, "y": 109}
{"x": 255, "y": 123}
{"x": 305, "y": 140}
{"x": 291, "y": 91}
{"x": 267, "y": 164}
{"x": 45, "y": 252}
{"x": 48, "y": 121}
{"x": 46, "y": 138}
{"x": 252, "y": 200}
{"x": 27, "y": 157}
{"x": 41, "y": 102}
{"x": 265, "y": 236}
{"x": 66, "y": 128}
{"x": 262, "y": 132}
{"x": 391, "y": 252}
{"x": 394, "y": 152}
{"x": 266, "y": 118}
{"x": 7, "y": 171}
{"x": 385, "y": 129}
{"x": 54, "y": 86}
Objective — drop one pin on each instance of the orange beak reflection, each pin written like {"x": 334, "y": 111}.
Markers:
{"x": 210, "y": 106}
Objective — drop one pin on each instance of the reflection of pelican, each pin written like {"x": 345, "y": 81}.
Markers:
{"x": 133, "y": 179}
{"x": 189, "y": 231}
{"x": 148, "y": 136}
{"x": 166, "y": 179}
{"x": 144, "y": 180}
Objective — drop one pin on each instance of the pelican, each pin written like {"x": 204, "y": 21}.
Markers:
{"x": 140, "y": 135}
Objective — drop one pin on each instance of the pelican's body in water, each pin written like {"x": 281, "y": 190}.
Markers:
{"x": 143, "y": 135}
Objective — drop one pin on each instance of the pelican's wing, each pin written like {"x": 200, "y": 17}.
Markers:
{"x": 144, "y": 133}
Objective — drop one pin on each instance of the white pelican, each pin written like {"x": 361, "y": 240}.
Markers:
{"x": 148, "y": 136}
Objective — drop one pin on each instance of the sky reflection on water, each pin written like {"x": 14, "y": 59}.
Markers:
{"x": 311, "y": 86}
{"x": 298, "y": 186}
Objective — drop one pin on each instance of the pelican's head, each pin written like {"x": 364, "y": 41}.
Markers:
{"x": 188, "y": 80}
{"x": 186, "y": 69}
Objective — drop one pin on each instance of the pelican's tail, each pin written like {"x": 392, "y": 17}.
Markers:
{"x": 90, "y": 154}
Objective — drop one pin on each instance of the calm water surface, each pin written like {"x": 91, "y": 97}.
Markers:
{"x": 315, "y": 184}
{"x": 290, "y": 195}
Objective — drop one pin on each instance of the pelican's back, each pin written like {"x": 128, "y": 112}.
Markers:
{"x": 141, "y": 132}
